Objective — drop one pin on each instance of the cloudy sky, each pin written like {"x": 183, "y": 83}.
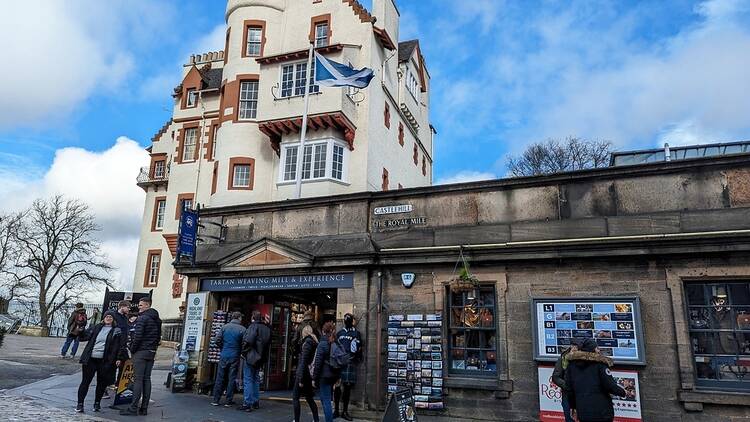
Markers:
{"x": 87, "y": 83}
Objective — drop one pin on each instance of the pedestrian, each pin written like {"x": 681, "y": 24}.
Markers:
{"x": 121, "y": 319}
{"x": 144, "y": 341}
{"x": 302, "y": 379}
{"x": 558, "y": 377}
{"x": 324, "y": 375}
{"x": 229, "y": 340}
{"x": 351, "y": 341}
{"x": 590, "y": 384}
{"x": 307, "y": 319}
{"x": 255, "y": 345}
{"x": 102, "y": 354}
{"x": 96, "y": 317}
{"x": 76, "y": 327}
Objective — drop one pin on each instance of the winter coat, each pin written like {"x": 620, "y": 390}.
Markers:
{"x": 230, "y": 339}
{"x": 147, "y": 331}
{"x": 122, "y": 322}
{"x": 255, "y": 344}
{"x": 321, "y": 368}
{"x": 297, "y": 339}
{"x": 345, "y": 337}
{"x": 72, "y": 322}
{"x": 306, "y": 356}
{"x": 114, "y": 348}
{"x": 590, "y": 384}
{"x": 558, "y": 375}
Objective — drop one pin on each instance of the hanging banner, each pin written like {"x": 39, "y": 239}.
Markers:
{"x": 194, "y": 316}
{"x": 187, "y": 234}
{"x": 627, "y": 409}
{"x": 125, "y": 385}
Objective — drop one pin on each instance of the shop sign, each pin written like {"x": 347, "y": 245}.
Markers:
{"x": 194, "y": 316}
{"x": 393, "y": 209}
{"x": 400, "y": 407}
{"x": 408, "y": 279}
{"x": 396, "y": 223}
{"x": 297, "y": 281}
{"x": 613, "y": 322}
{"x": 627, "y": 409}
{"x": 124, "y": 393}
{"x": 187, "y": 234}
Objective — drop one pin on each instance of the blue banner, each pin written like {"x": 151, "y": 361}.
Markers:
{"x": 187, "y": 234}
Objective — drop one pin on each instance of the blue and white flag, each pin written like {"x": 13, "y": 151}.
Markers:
{"x": 330, "y": 73}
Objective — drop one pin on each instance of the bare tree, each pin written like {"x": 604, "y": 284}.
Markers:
{"x": 10, "y": 285}
{"x": 554, "y": 156}
{"x": 58, "y": 255}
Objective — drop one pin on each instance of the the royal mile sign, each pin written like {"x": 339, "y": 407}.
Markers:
{"x": 297, "y": 281}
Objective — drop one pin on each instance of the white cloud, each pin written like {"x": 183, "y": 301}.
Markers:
{"x": 59, "y": 53}
{"x": 466, "y": 176}
{"x": 104, "y": 180}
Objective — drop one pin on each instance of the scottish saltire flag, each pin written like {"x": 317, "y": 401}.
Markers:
{"x": 330, "y": 73}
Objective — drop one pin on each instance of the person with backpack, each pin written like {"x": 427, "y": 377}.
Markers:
{"x": 329, "y": 359}
{"x": 350, "y": 341}
{"x": 303, "y": 377}
{"x": 76, "y": 327}
{"x": 255, "y": 345}
{"x": 103, "y": 353}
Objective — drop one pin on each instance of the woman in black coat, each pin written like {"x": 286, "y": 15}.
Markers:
{"x": 104, "y": 351}
{"x": 590, "y": 384}
{"x": 303, "y": 380}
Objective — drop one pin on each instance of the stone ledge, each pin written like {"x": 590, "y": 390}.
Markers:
{"x": 690, "y": 398}
{"x": 487, "y": 384}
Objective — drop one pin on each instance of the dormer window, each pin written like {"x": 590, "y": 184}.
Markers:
{"x": 192, "y": 97}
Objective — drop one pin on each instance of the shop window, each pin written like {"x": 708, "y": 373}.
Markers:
{"x": 719, "y": 327}
{"x": 471, "y": 343}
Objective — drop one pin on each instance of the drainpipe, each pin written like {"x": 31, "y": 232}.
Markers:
{"x": 379, "y": 341}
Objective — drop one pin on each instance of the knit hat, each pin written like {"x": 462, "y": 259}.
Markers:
{"x": 588, "y": 345}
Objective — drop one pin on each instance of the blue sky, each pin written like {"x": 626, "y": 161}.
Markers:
{"x": 88, "y": 83}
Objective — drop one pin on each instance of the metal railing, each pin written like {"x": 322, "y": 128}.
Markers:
{"x": 28, "y": 313}
{"x": 145, "y": 176}
{"x": 171, "y": 330}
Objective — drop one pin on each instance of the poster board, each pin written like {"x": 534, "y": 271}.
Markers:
{"x": 613, "y": 322}
{"x": 192, "y": 337}
{"x": 400, "y": 407}
{"x": 626, "y": 409}
{"x": 415, "y": 357}
{"x": 124, "y": 394}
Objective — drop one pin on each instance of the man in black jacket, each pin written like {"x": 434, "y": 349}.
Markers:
{"x": 558, "y": 377}
{"x": 255, "y": 345}
{"x": 144, "y": 342}
{"x": 590, "y": 384}
{"x": 121, "y": 319}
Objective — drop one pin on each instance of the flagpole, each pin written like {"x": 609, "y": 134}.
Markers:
{"x": 303, "y": 129}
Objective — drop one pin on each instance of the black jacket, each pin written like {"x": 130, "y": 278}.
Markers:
{"x": 147, "y": 333}
{"x": 72, "y": 322}
{"x": 121, "y": 321}
{"x": 590, "y": 385}
{"x": 321, "y": 368}
{"x": 255, "y": 344}
{"x": 558, "y": 375}
{"x": 114, "y": 348}
{"x": 306, "y": 356}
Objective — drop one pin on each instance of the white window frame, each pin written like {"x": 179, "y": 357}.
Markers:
{"x": 161, "y": 209}
{"x": 160, "y": 169}
{"x": 412, "y": 85}
{"x": 234, "y": 175}
{"x": 252, "y": 102}
{"x": 258, "y": 43}
{"x": 188, "y": 201}
{"x": 185, "y": 144}
{"x": 287, "y": 173}
{"x": 192, "y": 98}
{"x": 153, "y": 270}
{"x": 321, "y": 41}
{"x": 314, "y": 88}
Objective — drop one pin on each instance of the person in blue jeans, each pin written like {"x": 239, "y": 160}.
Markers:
{"x": 76, "y": 326}
{"x": 255, "y": 345}
{"x": 323, "y": 374}
{"x": 230, "y": 341}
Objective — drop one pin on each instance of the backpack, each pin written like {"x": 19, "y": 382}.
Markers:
{"x": 339, "y": 358}
{"x": 79, "y": 324}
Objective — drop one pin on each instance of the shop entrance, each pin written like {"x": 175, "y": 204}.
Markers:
{"x": 286, "y": 310}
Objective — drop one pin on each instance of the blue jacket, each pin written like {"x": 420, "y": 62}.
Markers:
{"x": 230, "y": 338}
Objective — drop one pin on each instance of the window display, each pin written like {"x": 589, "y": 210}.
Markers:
{"x": 614, "y": 322}
{"x": 472, "y": 331}
{"x": 719, "y": 327}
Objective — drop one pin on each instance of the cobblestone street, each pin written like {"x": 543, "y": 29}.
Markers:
{"x": 27, "y": 409}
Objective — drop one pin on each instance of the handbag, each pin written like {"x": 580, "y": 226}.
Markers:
{"x": 486, "y": 318}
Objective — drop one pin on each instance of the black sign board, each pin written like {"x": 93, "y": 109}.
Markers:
{"x": 111, "y": 299}
{"x": 400, "y": 407}
{"x": 296, "y": 281}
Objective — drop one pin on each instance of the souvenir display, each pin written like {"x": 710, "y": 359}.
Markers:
{"x": 614, "y": 323}
{"x": 415, "y": 341}
{"x": 218, "y": 321}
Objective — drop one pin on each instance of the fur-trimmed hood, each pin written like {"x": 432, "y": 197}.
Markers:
{"x": 589, "y": 357}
